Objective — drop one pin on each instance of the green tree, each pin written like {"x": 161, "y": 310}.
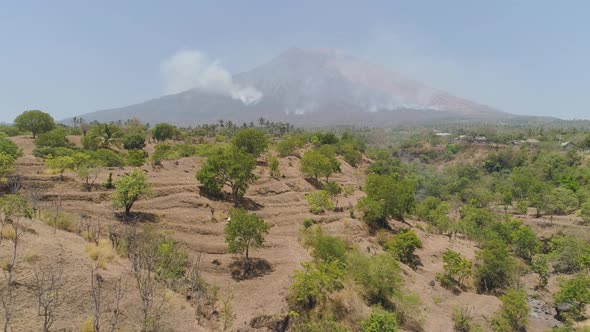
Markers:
{"x": 6, "y": 166}
{"x": 60, "y": 164}
{"x": 380, "y": 321}
{"x": 130, "y": 188}
{"x": 513, "y": 315}
{"x": 251, "y": 140}
{"x": 574, "y": 293}
{"x": 494, "y": 267}
{"x": 56, "y": 138}
{"x": 314, "y": 164}
{"x": 164, "y": 131}
{"x": 378, "y": 275}
{"x": 456, "y": 267}
{"x": 231, "y": 166}
{"x": 312, "y": 284}
{"x": 394, "y": 197}
{"x": 319, "y": 201}
{"x": 403, "y": 246}
{"x": 9, "y": 147}
{"x": 35, "y": 121}
{"x": 327, "y": 248}
{"x": 134, "y": 142}
{"x": 525, "y": 242}
{"x": 243, "y": 231}
{"x": 103, "y": 136}
{"x": 540, "y": 266}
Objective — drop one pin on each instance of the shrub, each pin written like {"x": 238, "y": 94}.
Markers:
{"x": 379, "y": 276}
{"x": 108, "y": 158}
{"x": 463, "y": 322}
{"x": 64, "y": 221}
{"x": 274, "y": 166}
{"x": 513, "y": 313}
{"x": 495, "y": 266}
{"x": 308, "y": 222}
{"x": 171, "y": 261}
{"x": 319, "y": 201}
{"x": 9, "y": 148}
{"x": 456, "y": 267}
{"x": 251, "y": 140}
{"x": 540, "y": 266}
{"x": 56, "y": 138}
{"x": 164, "y": 131}
{"x": 129, "y": 189}
{"x": 525, "y": 242}
{"x": 569, "y": 253}
{"x": 136, "y": 158}
{"x": 313, "y": 283}
{"x": 327, "y": 248}
{"x": 134, "y": 142}
{"x": 102, "y": 253}
{"x": 575, "y": 293}
{"x": 54, "y": 152}
{"x": 403, "y": 246}
{"x": 380, "y": 321}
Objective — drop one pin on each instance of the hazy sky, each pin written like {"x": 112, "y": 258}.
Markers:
{"x": 73, "y": 57}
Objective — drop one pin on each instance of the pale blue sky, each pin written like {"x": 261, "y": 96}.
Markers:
{"x": 73, "y": 57}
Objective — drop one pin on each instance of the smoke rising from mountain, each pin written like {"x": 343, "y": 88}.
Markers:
{"x": 191, "y": 69}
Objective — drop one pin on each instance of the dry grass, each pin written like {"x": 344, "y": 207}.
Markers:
{"x": 102, "y": 254}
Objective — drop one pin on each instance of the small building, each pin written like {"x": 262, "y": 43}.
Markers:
{"x": 567, "y": 146}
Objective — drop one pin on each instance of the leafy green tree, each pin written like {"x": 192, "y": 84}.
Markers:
{"x": 231, "y": 166}
{"x": 576, "y": 294}
{"x": 87, "y": 167}
{"x": 319, "y": 201}
{"x": 327, "y": 248}
{"x": 570, "y": 254}
{"x": 312, "y": 284}
{"x": 379, "y": 276}
{"x": 435, "y": 213}
{"x": 35, "y": 121}
{"x": 403, "y": 246}
{"x": 164, "y": 131}
{"x": 251, "y": 140}
{"x": 394, "y": 197}
{"x": 315, "y": 164}
{"x": 6, "y": 166}
{"x": 525, "y": 242}
{"x": 585, "y": 212}
{"x": 56, "y": 138}
{"x": 380, "y": 321}
{"x": 495, "y": 266}
{"x": 456, "y": 267}
{"x": 134, "y": 142}
{"x": 244, "y": 231}
{"x": 129, "y": 189}
{"x": 103, "y": 136}
{"x": 352, "y": 156}
{"x": 9, "y": 147}
{"x": 513, "y": 315}
{"x": 540, "y": 265}
{"x": 171, "y": 260}
{"x": 60, "y": 164}
{"x": 136, "y": 158}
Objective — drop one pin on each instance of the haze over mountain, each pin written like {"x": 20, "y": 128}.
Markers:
{"x": 304, "y": 87}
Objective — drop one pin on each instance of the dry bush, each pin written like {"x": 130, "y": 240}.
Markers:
{"x": 103, "y": 253}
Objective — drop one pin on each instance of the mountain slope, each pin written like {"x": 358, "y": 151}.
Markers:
{"x": 310, "y": 88}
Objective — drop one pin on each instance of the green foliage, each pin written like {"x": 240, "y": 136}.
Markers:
{"x": 319, "y": 201}
{"x": 456, "y": 267}
{"x": 307, "y": 223}
{"x": 134, "y": 142}
{"x": 251, "y": 140}
{"x": 576, "y": 293}
{"x": 403, "y": 245}
{"x": 394, "y": 197}
{"x": 287, "y": 145}
{"x": 352, "y": 156}
{"x": 560, "y": 201}
{"x": 56, "y": 138}
{"x": 244, "y": 230}
{"x": 103, "y": 136}
{"x": 435, "y": 213}
{"x": 525, "y": 242}
{"x": 540, "y": 265}
{"x": 10, "y": 131}
{"x": 327, "y": 248}
{"x": 136, "y": 158}
{"x": 108, "y": 183}
{"x": 61, "y": 164}
{"x": 171, "y": 260}
{"x": 130, "y": 188}
{"x": 9, "y": 148}
{"x": 230, "y": 166}
{"x": 463, "y": 322}
{"x": 6, "y": 166}
{"x": 379, "y": 276}
{"x": 312, "y": 284}
{"x": 384, "y": 163}
{"x": 495, "y": 266}
{"x": 570, "y": 254}
{"x": 513, "y": 315}
{"x": 35, "y": 121}
{"x": 13, "y": 206}
{"x": 380, "y": 321}
{"x": 585, "y": 212}
{"x": 315, "y": 164}
{"x": 164, "y": 131}
{"x": 274, "y": 166}
{"x": 108, "y": 158}
{"x": 332, "y": 188}
{"x": 373, "y": 212}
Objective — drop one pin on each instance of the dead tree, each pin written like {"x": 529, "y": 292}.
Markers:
{"x": 14, "y": 183}
{"x": 48, "y": 285}
{"x": 57, "y": 210}
{"x": 100, "y": 295}
{"x": 90, "y": 229}
{"x": 196, "y": 287}
{"x": 35, "y": 196}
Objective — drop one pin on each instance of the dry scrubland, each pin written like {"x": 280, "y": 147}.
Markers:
{"x": 178, "y": 209}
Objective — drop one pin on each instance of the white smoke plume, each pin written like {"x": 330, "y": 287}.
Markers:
{"x": 191, "y": 69}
